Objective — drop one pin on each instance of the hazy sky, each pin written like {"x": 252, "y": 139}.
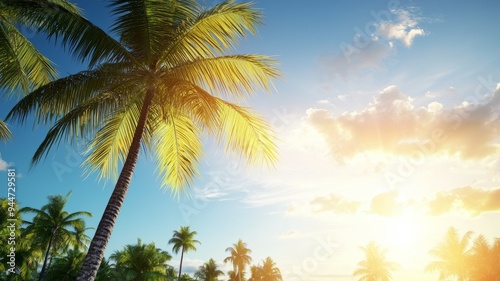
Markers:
{"x": 387, "y": 114}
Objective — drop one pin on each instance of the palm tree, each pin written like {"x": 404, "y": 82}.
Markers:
{"x": 208, "y": 271}
{"x": 453, "y": 256}
{"x": 141, "y": 262}
{"x": 270, "y": 272}
{"x": 50, "y": 228}
{"x": 65, "y": 268}
{"x": 375, "y": 266}
{"x": 22, "y": 66}
{"x": 184, "y": 241}
{"x": 485, "y": 260}
{"x": 240, "y": 257}
{"x": 164, "y": 83}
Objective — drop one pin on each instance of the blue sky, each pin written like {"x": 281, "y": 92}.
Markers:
{"x": 387, "y": 114}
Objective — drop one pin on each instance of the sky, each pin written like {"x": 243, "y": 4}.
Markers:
{"x": 387, "y": 114}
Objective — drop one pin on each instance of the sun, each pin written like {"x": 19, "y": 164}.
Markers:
{"x": 403, "y": 231}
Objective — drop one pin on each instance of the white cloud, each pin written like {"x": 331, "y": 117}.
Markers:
{"x": 3, "y": 164}
{"x": 404, "y": 29}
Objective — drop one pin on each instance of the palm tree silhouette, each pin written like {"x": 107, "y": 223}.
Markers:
{"x": 184, "y": 241}
{"x": 375, "y": 266}
{"x": 161, "y": 85}
{"x": 240, "y": 257}
{"x": 453, "y": 256}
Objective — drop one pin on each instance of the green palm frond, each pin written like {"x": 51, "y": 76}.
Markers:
{"x": 230, "y": 76}
{"x": 212, "y": 32}
{"x": 21, "y": 64}
{"x": 178, "y": 150}
{"x": 111, "y": 143}
{"x": 247, "y": 134}
{"x": 5, "y": 133}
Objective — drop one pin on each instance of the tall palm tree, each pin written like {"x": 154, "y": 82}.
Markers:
{"x": 51, "y": 227}
{"x": 485, "y": 260}
{"x": 22, "y": 66}
{"x": 453, "y": 256}
{"x": 184, "y": 241}
{"x": 240, "y": 257}
{"x": 162, "y": 84}
{"x": 375, "y": 266}
{"x": 141, "y": 262}
{"x": 208, "y": 271}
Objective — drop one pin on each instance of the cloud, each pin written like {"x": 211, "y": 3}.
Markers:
{"x": 473, "y": 200}
{"x": 392, "y": 124}
{"x": 335, "y": 203}
{"x": 3, "y": 164}
{"x": 289, "y": 234}
{"x": 386, "y": 204}
{"x": 404, "y": 29}
{"x": 373, "y": 44}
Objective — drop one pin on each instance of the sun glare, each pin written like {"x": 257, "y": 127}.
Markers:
{"x": 403, "y": 232}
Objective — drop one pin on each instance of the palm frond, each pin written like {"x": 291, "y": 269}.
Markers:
{"x": 212, "y": 32}
{"x": 178, "y": 149}
{"x": 230, "y": 76}
{"x": 5, "y": 133}
{"x": 246, "y": 133}
{"x": 22, "y": 66}
{"x": 111, "y": 143}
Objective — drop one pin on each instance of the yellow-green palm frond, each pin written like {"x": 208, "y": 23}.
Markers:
{"x": 111, "y": 143}
{"x": 5, "y": 133}
{"x": 230, "y": 76}
{"x": 178, "y": 148}
{"x": 246, "y": 134}
{"x": 22, "y": 66}
{"x": 59, "y": 97}
{"x": 212, "y": 32}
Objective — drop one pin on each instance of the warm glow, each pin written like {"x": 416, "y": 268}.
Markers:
{"x": 403, "y": 232}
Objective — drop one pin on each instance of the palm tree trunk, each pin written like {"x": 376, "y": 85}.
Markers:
{"x": 98, "y": 245}
{"x": 44, "y": 266}
{"x": 180, "y": 265}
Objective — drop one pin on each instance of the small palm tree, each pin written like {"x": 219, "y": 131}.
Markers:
{"x": 453, "y": 256}
{"x": 51, "y": 227}
{"x": 184, "y": 241}
{"x": 163, "y": 83}
{"x": 66, "y": 267}
{"x": 269, "y": 271}
{"x": 375, "y": 266}
{"x": 141, "y": 262}
{"x": 208, "y": 271}
{"x": 240, "y": 257}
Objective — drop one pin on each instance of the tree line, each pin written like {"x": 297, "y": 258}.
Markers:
{"x": 51, "y": 246}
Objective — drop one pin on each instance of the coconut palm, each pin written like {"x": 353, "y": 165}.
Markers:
{"x": 240, "y": 257}
{"x": 162, "y": 84}
{"x": 375, "y": 266}
{"x": 453, "y": 256}
{"x": 208, "y": 271}
{"x": 269, "y": 271}
{"x": 184, "y": 241}
{"x": 485, "y": 260}
{"x": 50, "y": 229}
{"x": 22, "y": 66}
{"x": 141, "y": 262}
{"x": 66, "y": 267}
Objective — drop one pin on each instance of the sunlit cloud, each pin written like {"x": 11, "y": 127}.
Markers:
{"x": 335, "y": 203}
{"x": 472, "y": 200}
{"x": 393, "y": 124}
{"x": 3, "y": 164}
{"x": 386, "y": 204}
{"x": 289, "y": 234}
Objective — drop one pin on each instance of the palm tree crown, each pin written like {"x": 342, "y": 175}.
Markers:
{"x": 208, "y": 271}
{"x": 240, "y": 257}
{"x": 162, "y": 85}
{"x": 183, "y": 241}
{"x": 375, "y": 266}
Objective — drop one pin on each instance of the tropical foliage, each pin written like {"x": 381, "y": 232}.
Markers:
{"x": 162, "y": 84}
{"x": 209, "y": 271}
{"x": 268, "y": 271}
{"x": 375, "y": 266}
{"x": 183, "y": 241}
